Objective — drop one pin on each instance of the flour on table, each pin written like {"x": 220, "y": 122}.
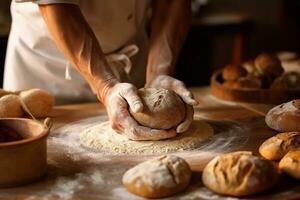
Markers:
{"x": 103, "y": 138}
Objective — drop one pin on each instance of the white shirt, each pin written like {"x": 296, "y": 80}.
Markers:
{"x": 33, "y": 60}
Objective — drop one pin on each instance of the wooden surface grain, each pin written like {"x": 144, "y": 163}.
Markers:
{"x": 67, "y": 169}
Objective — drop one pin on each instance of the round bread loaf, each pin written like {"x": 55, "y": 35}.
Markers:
{"x": 285, "y": 117}
{"x": 39, "y": 102}
{"x": 159, "y": 177}
{"x": 269, "y": 65}
{"x": 290, "y": 164}
{"x": 239, "y": 174}
{"x": 277, "y": 146}
{"x": 10, "y": 106}
{"x": 163, "y": 109}
{"x": 233, "y": 72}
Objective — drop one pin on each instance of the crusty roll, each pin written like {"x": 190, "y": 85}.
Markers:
{"x": 289, "y": 80}
{"x": 239, "y": 174}
{"x": 159, "y": 177}
{"x": 285, "y": 117}
{"x": 233, "y": 72}
{"x": 268, "y": 64}
{"x": 277, "y": 146}
{"x": 290, "y": 164}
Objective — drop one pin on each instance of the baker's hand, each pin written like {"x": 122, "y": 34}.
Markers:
{"x": 117, "y": 99}
{"x": 170, "y": 83}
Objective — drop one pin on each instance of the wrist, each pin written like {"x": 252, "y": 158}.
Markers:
{"x": 104, "y": 87}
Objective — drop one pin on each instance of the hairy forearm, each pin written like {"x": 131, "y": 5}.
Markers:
{"x": 75, "y": 39}
{"x": 169, "y": 26}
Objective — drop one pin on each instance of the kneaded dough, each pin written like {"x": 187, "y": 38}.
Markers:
{"x": 277, "y": 146}
{"x": 163, "y": 109}
{"x": 239, "y": 174}
{"x": 103, "y": 138}
{"x": 159, "y": 177}
{"x": 290, "y": 164}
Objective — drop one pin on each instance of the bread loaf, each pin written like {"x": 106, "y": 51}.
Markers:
{"x": 159, "y": 177}
{"x": 239, "y": 174}
{"x": 277, "y": 146}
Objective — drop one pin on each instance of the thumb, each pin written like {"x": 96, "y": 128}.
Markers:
{"x": 134, "y": 101}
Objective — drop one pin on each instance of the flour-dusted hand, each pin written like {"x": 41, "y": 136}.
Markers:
{"x": 117, "y": 99}
{"x": 170, "y": 83}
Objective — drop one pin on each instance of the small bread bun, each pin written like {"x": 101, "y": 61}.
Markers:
{"x": 290, "y": 164}
{"x": 249, "y": 66}
{"x": 239, "y": 174}
{"x": 233, "y": 72}
{"x": 10, "y": 106}
{"x": 277, "y": 146}
{"x": 159, "y": 177}
{"x": 289, "y": 80}
{"x": 269, "y": 65}
{"x": 284, "y": 117}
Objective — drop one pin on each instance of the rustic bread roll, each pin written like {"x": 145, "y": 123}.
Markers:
{"x": 249, "y": 66}
{"x": 38, "y": 102}
{"x": 285, "y": 117}
{"x": 269, "y": 65}
{"x": 239, "y": 174}
{"x": 233, "y": 72}
{"x": 290, "y": 164}
{"x": 10, "y": 106}
{"x": 289, "y": 80}
{"x": 163, "y": 109}
{"x": 159, "y": 177}
{"x": 277, "y": 146}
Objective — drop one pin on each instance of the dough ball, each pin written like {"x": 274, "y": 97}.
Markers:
{"x": 284, "y": 117}
{"x": 277, "y": 146}
{"x": 290, "y": 164}
{"x": 290, "y": 80}
{"x": 159, "y": 177}
{"x": 239, "y": 174}
{"x": 10, "y": 106}
{"x": 38, "y": 102}
{"x": 163, "y": 109}
{"x": 233, "y": 72}
{"x": 269, "y": 65}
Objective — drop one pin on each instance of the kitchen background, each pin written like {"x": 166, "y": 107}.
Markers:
{"x": 222, "y": 31}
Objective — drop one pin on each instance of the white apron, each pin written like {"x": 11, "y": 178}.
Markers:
{"x": 33, "y": 61}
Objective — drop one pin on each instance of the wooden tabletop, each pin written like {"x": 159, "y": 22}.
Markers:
{"x": 78, "y": 174}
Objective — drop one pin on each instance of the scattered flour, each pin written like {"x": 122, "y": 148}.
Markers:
{"x": 103, "y": 138}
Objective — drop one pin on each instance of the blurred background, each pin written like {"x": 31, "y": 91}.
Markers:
{"x": 222, "y": 32}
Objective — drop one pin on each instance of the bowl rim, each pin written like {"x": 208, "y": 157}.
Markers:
{"x": 44, "y": 133}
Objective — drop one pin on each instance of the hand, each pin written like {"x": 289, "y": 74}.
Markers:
{"x": 170, "y": 83}
{"x": 116, "y": 100}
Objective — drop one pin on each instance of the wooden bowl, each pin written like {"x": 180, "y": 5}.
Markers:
{"x": 24, "y": 160}
{"x": 265, "y": 96}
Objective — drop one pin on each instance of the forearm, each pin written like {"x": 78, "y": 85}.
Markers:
{"x": 75, "y": 39}
{"x": 169, "y": 26}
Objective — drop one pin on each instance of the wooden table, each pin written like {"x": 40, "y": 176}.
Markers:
{"x": 91, "y": 175}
